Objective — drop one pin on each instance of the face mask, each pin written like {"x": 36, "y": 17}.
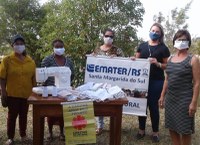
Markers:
{"x": 19, "y": 48}
{"x": 108, "y": 40}
{"x": 154, "y": 36}
{"x": 59, "y": 51}
{"x": 180, "y": 45}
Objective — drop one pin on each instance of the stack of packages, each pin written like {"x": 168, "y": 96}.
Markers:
{"x": 93, "y": 91}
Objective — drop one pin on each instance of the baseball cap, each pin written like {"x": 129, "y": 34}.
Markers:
{"x": 17, "y": 37}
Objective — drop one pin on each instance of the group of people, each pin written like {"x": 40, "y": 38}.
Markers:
{"x": 177, "y": 90}
{"x": 17, "y": 76}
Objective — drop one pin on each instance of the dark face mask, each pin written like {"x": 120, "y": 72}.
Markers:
{"x": 154, "y": 36}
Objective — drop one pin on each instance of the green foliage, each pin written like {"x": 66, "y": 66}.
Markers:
{"x": 24, "y": 17}
{"x": 80, "y": 24}
{"x": 195, "y": 47}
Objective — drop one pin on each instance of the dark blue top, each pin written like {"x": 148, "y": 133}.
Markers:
{"x": 159, "y": 52}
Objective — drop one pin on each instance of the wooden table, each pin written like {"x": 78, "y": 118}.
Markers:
{"x": 50, "y": 106}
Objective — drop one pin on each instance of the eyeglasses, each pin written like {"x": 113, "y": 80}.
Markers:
{"x": 108, "y": 36}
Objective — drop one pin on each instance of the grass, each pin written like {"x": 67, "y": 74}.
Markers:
{"x": 129, "y": 129}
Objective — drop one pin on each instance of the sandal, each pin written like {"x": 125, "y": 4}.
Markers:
{"x": 9, "y": 142}
{"x": 24, "y": 140}
{"x": 155, "y": 138}
{"x": 140, "y": 136}
{"x": 50, "y": 138}
{"x": 99, "y": 131}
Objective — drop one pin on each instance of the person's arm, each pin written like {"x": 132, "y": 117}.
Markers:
{"x": 71, "y": 66}
{"x": 166, "y": 54}
{"x": 120, "y": 53}
{"x": 164, "y": 63}
{"x": 164, "y": 90}
{"x": 3, "y": 87}
{"x": 138, "y": 52}
{"x": 3, "y": 92}
{"x": 3, "y": 77}
{"x": 159, "y": 64}
{"x": 34, "y": 83}
{"x": 137, "y": 55}
{"x": 96, "y": 50}
{"x": 196, "y": 83}
{"x": 46, "y": 62}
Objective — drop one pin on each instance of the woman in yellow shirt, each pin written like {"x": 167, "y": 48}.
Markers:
{"x": 17, "y": 76}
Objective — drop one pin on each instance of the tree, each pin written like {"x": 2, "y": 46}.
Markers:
{"x": 178, "y": 20}
{"x": 24, "y": 17}
{"x": 195, "y": 49}
{"x": 80, "y": 24}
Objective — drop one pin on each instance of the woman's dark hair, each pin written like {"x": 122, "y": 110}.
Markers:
{"x": 110, "y": 30}
{"x": 161, "y": 31}
{"x": 57, "y": 40}
{"x": 16, "y": 38}
{"x": 181, "y": 33}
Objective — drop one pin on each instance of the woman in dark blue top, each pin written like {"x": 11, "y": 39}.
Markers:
{"x": 57, "y": 59}
{"x": 157, "y": 53}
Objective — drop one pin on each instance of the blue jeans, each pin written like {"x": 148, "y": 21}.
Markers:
{"x": 100, "y": 123}
{"x": 155, "y": 88}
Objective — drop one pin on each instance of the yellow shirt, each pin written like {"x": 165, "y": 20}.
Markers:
{"x": 19, "y": 75}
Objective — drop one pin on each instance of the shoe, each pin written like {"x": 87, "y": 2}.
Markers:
{"x": 155, "y": 138}
{"x": 99, "y": 131}
{"x": 140, "y": 136}
{"x": 50, "y": 138}
{"x": 24, "y": 139}
{"x": 9, "y": 142}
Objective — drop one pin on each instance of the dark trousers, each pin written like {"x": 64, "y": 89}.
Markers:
{"x": 17, "y": 106}
{"x": 155, "y": 88}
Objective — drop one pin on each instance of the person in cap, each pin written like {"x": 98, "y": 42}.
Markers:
{"x": 17, "y": 76}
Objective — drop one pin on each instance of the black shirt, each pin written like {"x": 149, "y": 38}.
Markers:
{"x": 159, "y": 52}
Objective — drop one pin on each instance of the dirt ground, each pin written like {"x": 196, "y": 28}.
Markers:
{"x": 129, "y": 130}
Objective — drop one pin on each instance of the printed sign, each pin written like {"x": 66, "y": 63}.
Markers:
{"x": 123, "y": 72}
{"x": 136, "y": 106}
{"x": 79, "y": 122}
{"x": 131, "y": 75}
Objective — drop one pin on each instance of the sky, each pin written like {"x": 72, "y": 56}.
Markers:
{"x": 153, "y": 7}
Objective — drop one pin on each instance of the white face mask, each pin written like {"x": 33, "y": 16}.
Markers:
{"x": 59, "y": 51}
{"x": 108, "y": 40}
{"x": 19, "y": 48}
{"x": 180, "y": 45}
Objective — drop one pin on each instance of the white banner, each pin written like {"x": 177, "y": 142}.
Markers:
{"x": 135, "y": 106}
{"x": 131, "y": 76}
